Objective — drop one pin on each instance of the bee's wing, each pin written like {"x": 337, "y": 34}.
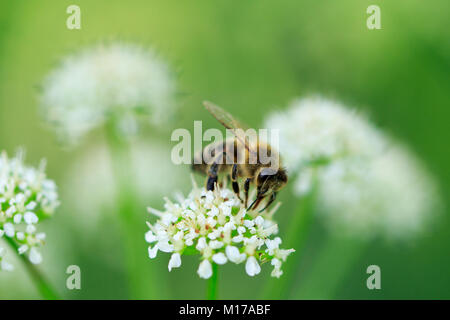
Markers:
{"x": 229, "y": 122}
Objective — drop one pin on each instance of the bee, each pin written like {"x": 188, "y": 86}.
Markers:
{"x": 241, "y": 159}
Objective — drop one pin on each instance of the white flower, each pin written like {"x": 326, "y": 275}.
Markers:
{"x": 30, "y": 217}
{"x": 150, "y": 237}
{"x": 35, "y": 256}
{"x": 6, "y": 266}
{"x": 41, "y": 236}
{"x": 9, "y": 229}
{"x": 249, "y": 223}
{"x": 205, "y": 269}
{"x": 208, "y": 224}
{"x": 26, "y": 198}
{"x": 22, "y": 249}
{"x": 391, "y": 195}
{"x": 17, "y": 218}
{"x": 315, "y": 129}
{"x": 21, "y": 236}
{"x": 175, "y": 261}
{"x": 165, "y": 246}
{"x": 272, "y": 245}
{"x": 276, "y": 272}
{"x": 219, "y": 258}
{"x": 115, "y": 82}
{"x": 234, "y": 255}
{"x": 252, "y": 267}
{"x": 367, "y": 184}
{"x": 152, "y": 251}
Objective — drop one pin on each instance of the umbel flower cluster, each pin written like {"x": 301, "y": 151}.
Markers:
{"x": 115, "y": 82}
{"x": 26, "y": 198}
{"x": 367, "y": 184}
{"x": 215, "y": 225}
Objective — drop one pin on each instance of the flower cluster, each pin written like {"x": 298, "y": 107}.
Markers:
{"x": 391, "y": 194}
{"x": 215, "y": 225}
{"x": 26, "y": 198}
{"x": 367, "y": 184}
{"x": 317, "y": 130}
{"x": 113, "y": 82}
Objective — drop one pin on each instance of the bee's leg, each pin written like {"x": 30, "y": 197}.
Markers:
{"x": 271, "y": 200}
{"x": 255, "y": 203}
{"x": 236, "y": 189}
{"x": 246, "y": 188}
{"x": 213, "y": 172}
{"x": 212, "y": 177}
{"x": 234, "y": 183}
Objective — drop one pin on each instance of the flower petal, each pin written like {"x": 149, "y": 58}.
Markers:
{"x": 152, "y": 251}
{"x": 219, "y": 258}
{"x": 252, "y": 267}
{"x": 150, "y": 237}
{"x": 205, "y": 269}
{"x": 234, "y": 255}
{"x": 175, "y": 261}
{"x": 35, "y": 256}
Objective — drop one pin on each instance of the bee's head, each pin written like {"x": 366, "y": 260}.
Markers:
{"x": 269, "y": 180}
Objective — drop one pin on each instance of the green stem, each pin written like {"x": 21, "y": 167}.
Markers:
{"x": 330, "y": 268}
{"x": 142, "y": 274}
{"x": 212, "y": 283}
{"x": 295, "y": 238}
{"x": 39, "y": 280}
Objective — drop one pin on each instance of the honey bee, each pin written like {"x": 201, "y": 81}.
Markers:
{"x": 241, "y": 158}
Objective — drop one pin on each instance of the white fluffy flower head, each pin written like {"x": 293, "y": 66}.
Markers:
{"x": 316, "y": 129}
{"x": 26, "y": 198}
{"x": 391, "y": 195}
{"x": 216, "y": 226}
{"x": 366, "y": 184}
{"x": 116, "y": 82}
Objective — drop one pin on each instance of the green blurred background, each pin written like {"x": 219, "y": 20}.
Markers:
{"x": 252, "y": 57}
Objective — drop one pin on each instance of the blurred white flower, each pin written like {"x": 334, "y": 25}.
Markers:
{"x": 151, "y": 165}
{"x": 366, "y": 184}
{"x": 215, "y": 225}
{"x": 115, "y": 82}
{"x": 391, "y": 195}
{"x": 26, "y": 198}
{"x": 315, "y": 129}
